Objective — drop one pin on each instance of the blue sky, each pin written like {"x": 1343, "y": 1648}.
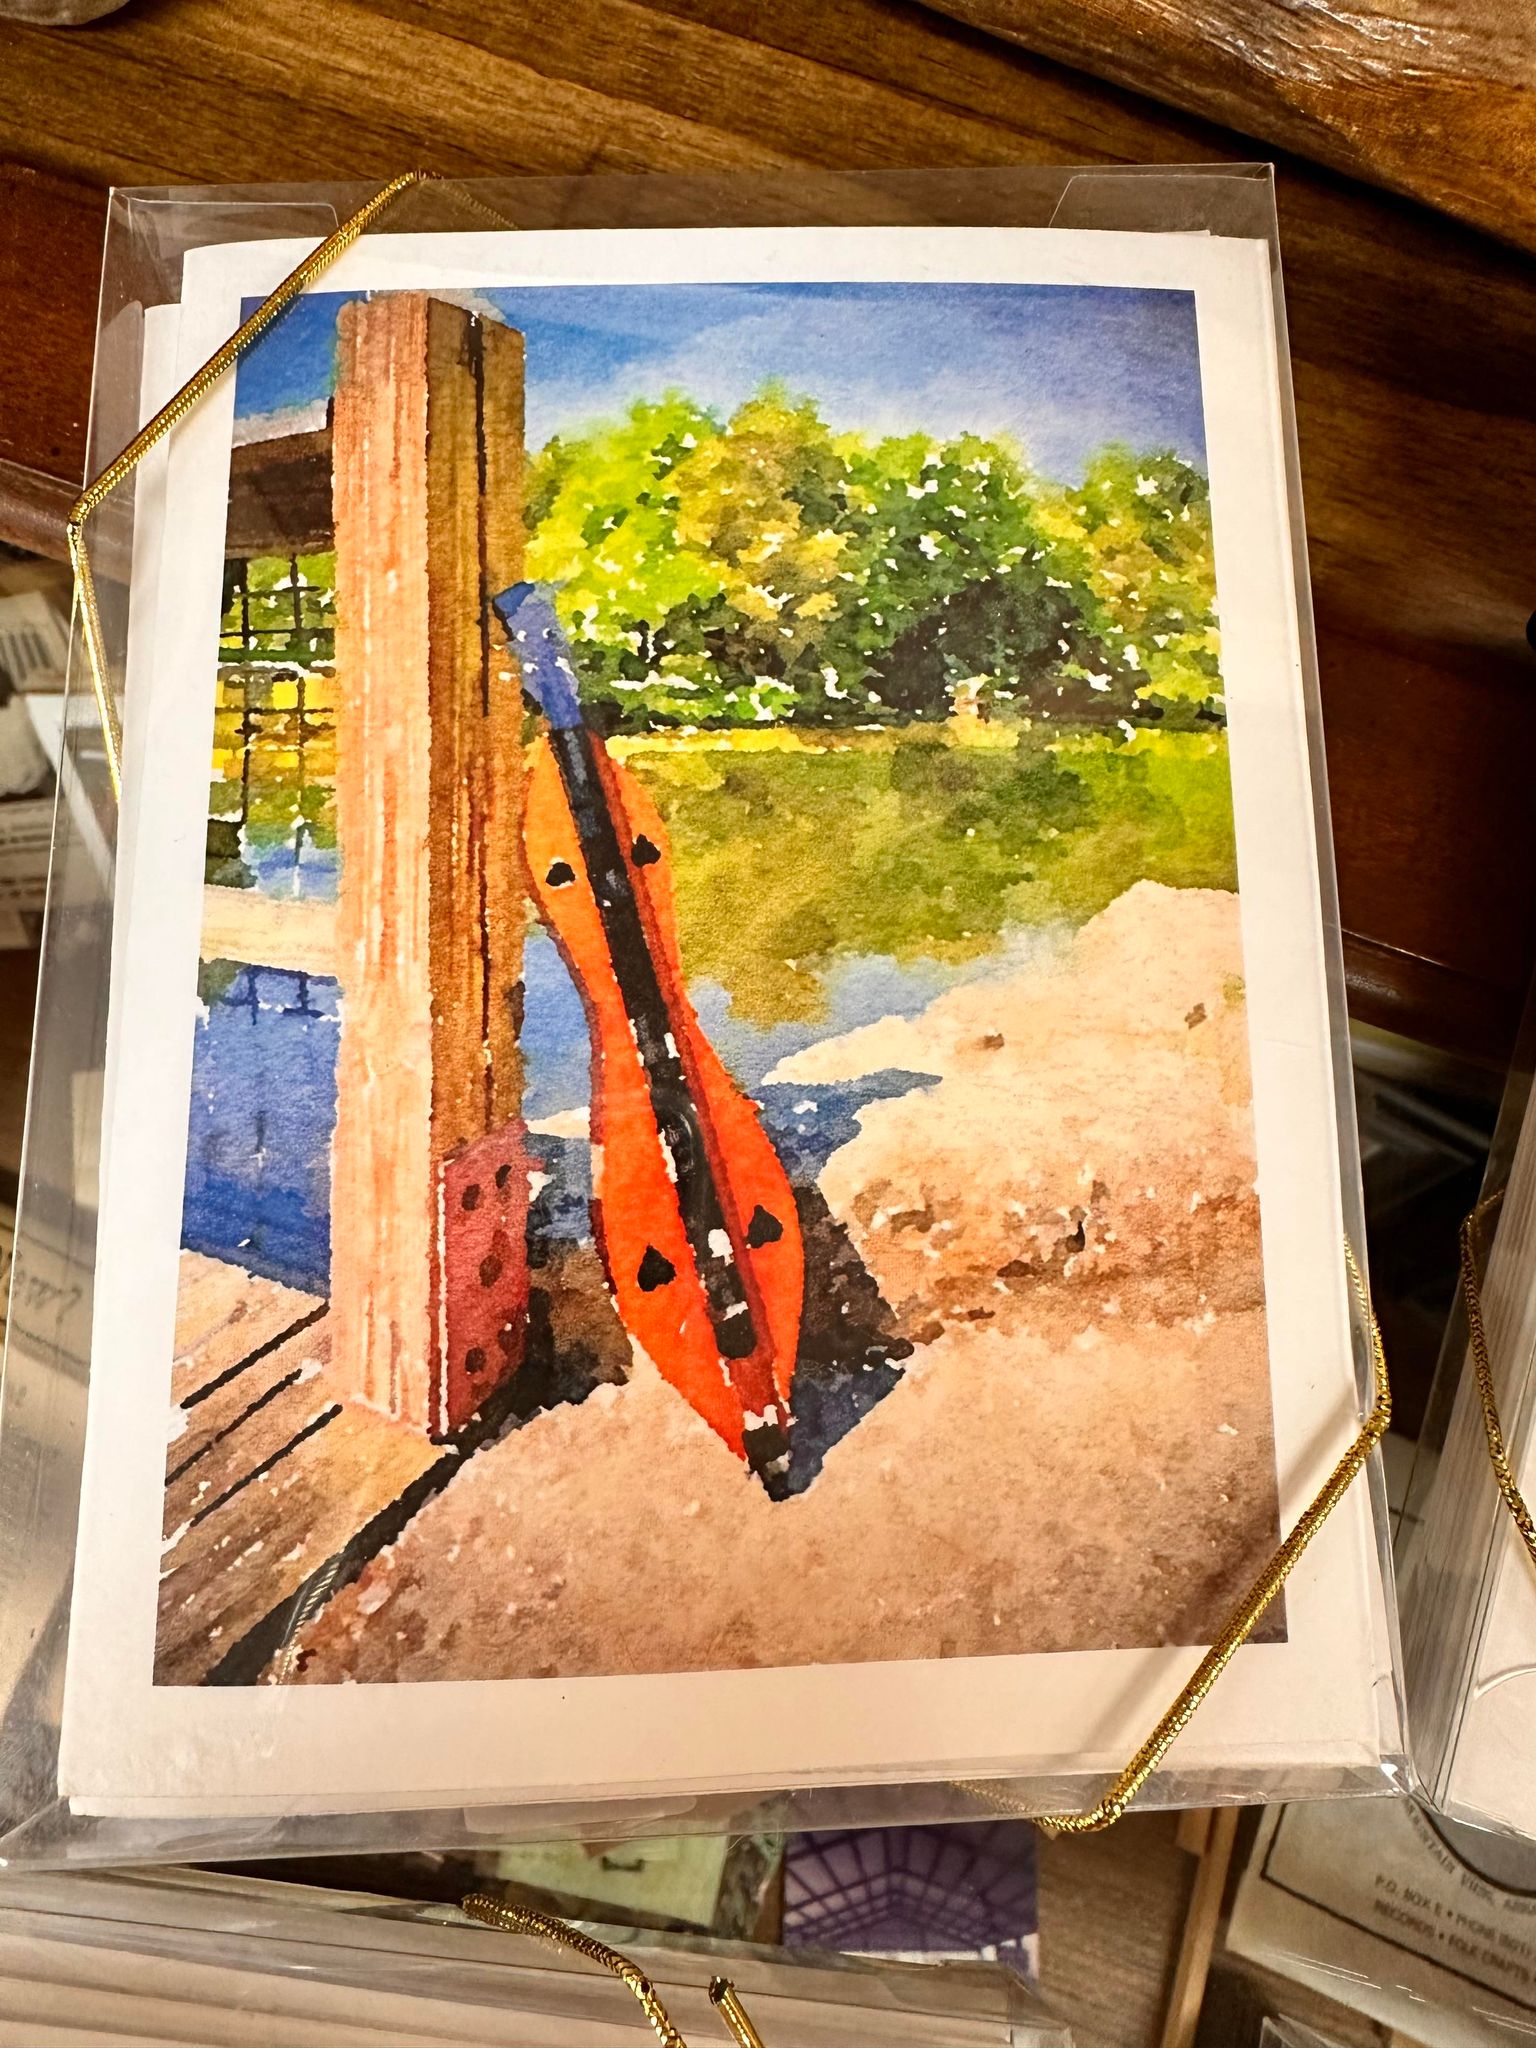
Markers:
{"x": 1061, "y": 368}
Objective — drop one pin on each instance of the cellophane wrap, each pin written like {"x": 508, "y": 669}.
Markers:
{"x": 1468, "y": 1582}
{"x": 237, "y": 1952}
{"x": 52, "y": 1343}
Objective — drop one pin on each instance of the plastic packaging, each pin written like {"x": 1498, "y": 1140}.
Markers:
{"x": 199, "y": 1958}
{"x": 1426, "y": 1926}
{"x": 1469, "y": 1590}
{"x": 1284, "y": 2033}
{"x": 243, "y": 1745}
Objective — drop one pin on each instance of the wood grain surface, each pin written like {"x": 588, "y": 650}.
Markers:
{"x": 1412, "y": 338}
{"x": 1137, "y": 1881}
{"x": 18, "y": 1000}
{"x": 429, "y": 799}
{"x": 50, "y": 260}
{"x": 1433, "y": 98}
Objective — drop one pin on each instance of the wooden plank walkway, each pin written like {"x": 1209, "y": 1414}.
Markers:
{"x": 290, "y": 932}
{"x": 280, "y": 1487}
{"x": 268, "y": 1474}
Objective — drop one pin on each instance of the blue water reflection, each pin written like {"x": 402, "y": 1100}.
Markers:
{"x": 264, "y": 1097}
{"x": 258, "y": 1184}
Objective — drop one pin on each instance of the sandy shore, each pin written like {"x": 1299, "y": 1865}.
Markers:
{"x": 1078, "y": 1453}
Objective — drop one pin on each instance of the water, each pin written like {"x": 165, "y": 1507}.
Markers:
{"x": 263, "y": 1103}
{"x": 263, "y": 1107}
{"x": 293, "y": 866}
{"x": 816, "y": 892}
{"x": 557, "y": 1051}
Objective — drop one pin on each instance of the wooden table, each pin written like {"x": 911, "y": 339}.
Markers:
{"x": 1413, "y": 340}
{"x": 1432, "y": 98}
{"x": 1413, "y": 336}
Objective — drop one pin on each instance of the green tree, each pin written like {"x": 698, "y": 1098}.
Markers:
{"x": 924, "y": 522}
{"x": 763, "y": 568}
{"x": 760, "y": 501}
{"x": 1135, "y": 540}
{"x": 603, "y": 514}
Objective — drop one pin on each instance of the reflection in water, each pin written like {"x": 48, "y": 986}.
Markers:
{"x": 258, "y": 1180}
{"x": 857, "y": 990}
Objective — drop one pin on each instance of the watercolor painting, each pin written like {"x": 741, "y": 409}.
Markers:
{"x": 720, "y": 1128}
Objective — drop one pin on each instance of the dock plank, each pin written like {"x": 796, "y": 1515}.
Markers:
{"x": 246, "y": 1424}
{"x": 270, "y": 1468}
{"x": 225, "y": 1315}
{"x": 225, "y": 1574}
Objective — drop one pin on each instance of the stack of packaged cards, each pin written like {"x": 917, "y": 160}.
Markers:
{"x": 1469, "y": 1620}
{"x": 723, "y": 1187}
{"x": 1396, "y": 1913}
{"x": 213, "y": 1961}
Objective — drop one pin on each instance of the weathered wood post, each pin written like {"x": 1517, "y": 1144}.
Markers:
{"x": 429, "y": 1184}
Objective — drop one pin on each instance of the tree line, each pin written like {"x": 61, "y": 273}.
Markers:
{"x": 763, "y": 568}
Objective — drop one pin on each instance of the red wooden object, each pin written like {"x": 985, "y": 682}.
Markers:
{"x": 481, "y": 1243}
{"x": 643, "y": 1231}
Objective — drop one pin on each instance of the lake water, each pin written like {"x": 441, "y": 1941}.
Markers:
{"x": 264, "y": 1099}
{"x": 816, "y": 892}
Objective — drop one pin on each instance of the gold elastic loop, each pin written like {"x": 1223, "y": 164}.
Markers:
{"x": 492, "y": 1912}
{"x": 1472, "y": 1251}
{"x": 170, "y": 415}
{"x": 1249, "y": 1610}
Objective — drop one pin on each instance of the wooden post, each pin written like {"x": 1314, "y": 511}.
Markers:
{"x": 1210, "y": 1836}
{"x": 429, "y": 1182}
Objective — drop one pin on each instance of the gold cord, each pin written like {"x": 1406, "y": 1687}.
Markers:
{"x": 1275, "y": 1573}
{"x": 1482, "y": 1367}
{"x": 1249, "y": 1610}
{"x": 492, "y": 1912}
{"x": 723, "y": 1997}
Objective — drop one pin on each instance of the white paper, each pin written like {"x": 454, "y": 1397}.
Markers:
{"x": 1490, "y": 1768}
{"x": 1427, "y": 1927}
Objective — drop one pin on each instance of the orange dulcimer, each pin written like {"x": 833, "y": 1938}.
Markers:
{"x": 694, "y": 1214}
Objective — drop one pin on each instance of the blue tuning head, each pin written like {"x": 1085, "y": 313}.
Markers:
{"x": 549, "y": 675}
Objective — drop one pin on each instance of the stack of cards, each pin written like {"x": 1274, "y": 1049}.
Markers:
{"x": 722, "y": 1167}
{"x": 1469, "y": 1626}
{"x": 195, "y": 1959}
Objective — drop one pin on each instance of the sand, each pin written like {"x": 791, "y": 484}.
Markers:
{"x": 1092, "y": 1125}
{"x": 1078, "y": 1453}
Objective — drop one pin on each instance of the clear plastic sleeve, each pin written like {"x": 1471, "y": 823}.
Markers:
{"x": 226, "y": 1957}
{"x": 1284, "y": 2033}
{"x": 1469, "y": 1591}
{"x": 1160, "y": 1522}
{"x": 1427, "y": 1927}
